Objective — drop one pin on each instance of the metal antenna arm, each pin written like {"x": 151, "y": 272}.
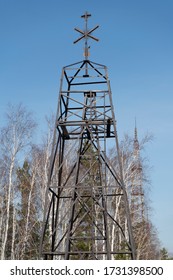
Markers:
{"x": 79, "y": 39}
{"x": 80, "y": 31}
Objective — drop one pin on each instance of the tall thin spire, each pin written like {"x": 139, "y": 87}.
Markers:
{"x": 136, "y": 142}
{"x": 135, "y": 130}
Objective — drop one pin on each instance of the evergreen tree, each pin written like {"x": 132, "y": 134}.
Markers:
{"x": 164, "y": 254}
{"x": 28, "y": 220}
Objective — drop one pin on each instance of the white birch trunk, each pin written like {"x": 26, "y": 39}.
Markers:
{"x": 13, "y": 234}
{"x": 6, "y": 227}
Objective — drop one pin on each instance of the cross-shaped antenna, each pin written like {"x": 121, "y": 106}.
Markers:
{"x": 86, "y": 34}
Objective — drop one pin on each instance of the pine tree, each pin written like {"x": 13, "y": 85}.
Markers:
{"x": 28, "y": 221}
{"x": 164, "y": 254}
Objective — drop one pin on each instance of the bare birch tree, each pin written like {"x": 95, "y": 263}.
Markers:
{"x": 15, "y": 136}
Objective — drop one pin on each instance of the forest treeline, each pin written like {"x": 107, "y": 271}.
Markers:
{"x": 24, "y": 169}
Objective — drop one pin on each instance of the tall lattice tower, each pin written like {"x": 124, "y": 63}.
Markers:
{"x": 137, "y": 192}
{"x": 86, "y": 208}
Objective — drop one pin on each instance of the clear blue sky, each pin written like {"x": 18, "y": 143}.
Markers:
{"x": 136, "y": 43}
